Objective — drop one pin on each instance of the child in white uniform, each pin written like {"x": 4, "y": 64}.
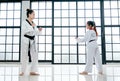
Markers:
{"x": 92, "y": 48}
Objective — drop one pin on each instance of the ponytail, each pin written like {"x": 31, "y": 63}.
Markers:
{"x": 92, "y": 24}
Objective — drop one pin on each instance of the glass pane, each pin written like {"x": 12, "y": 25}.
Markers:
{"x": 16, "y": 40}
{"x": 114, "y": 12}
{"x": 65, "y": 40}
{"x": 41, "y": 56}
{"x": 8, "y": 56}
{"x": 114, "y": 4}
{"x": 81, "y": 31}
{"x": 10, "y": 15}
{"x": 41, "y": 5}
{"x": 48, "y": 13}
{"x": 73, "y": 31}
{"x": 42, "y": 22}
{"x": 15, "y": 56}
{"x": 115, "y": 30}
{"x": 8, "y": 48}
{"x": 81, "y": 5}
{"x": 81, "y": 13}
{"x": 72, "y": 13}
{"x": 106, "y": 4}
{"x": 57, "y": 58}
{"x": 97, "y": 21}
{"x": 114, "y": 21}
{"x": 64, "y": 5}
{"x": 81, "y": 58}
{"x": 107, "y": 30}
{"x": 65, "y": 31}
{"x": 48, "y": 47}
{"x": 107, "y": 21}
{"x": 49, "y": 5}
{"x": 64, "y": 21}
{"x": 108, "y": 47}
{"x": 72, "y": 40}
{"x": 73, "y": 49}
{"x": 16, "y": 22}
{"x": 3, "y": 22}
{"x": 9, "y": 31}
{"x": 116, "y": 39}
{"x": 65, "y": 58}
{"x": 57, "y": 40}
{"x": 88, "y": 5}
{"x": 42, "y": 13}
{"x": 17, "y": 6}
{"x": 41, "y": 47}
{"x": 48, "y": 56}
{"x": 108, "y": 39}
{"x": 2, "y": 56}
{"x": 72, "y": 5}
{"x": 57, "y": 21}
{"x": 81, "y": 22}
{"x": 57, "y": 5}
{"x": 116, "y": 56}
{"x": 2, "y": 48}
{"x": 41, "y": 39}
{"x": 2, "y": 39}
{"x": 65, "y": 49}
{"x": 10, "y": 6}
{"x": 72, "y": 21}
{"x": 15, "y": 48}
{"x": 73, "y": 58}
{"x": 9, "y": 40}
{"x": 81, "y": 49}
{"x": 3, "y": 31}
{"x": 57, "y": 31}
{"x": 48, "y": 39}
{"x": 96, "y": 5}
{"x": 57, "y": 13}
{"x": 49, "y": 22}
{"x": 16, "y": 14}
{"x": 116, "y": 47}
{"x": 89, "y": 13}
{"x": 57, "y": 49}
{"x": 96, "y": 13}
{"x": 107, "y": 13}
{"x": 108, "y": 56}
{"x": 9, "y": 22}
{"x": 34, "y": 5}
{"x": 16, "y": 31}
{"x": 3, "y": 14}
{"x": 3, "y": 6}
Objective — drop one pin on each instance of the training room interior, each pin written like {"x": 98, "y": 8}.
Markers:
{"x": 60, "y": 57}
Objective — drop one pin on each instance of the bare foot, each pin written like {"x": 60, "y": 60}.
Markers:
{"x": 34, "y": 73}
{"x": 84, "y": 73}
{"x": 21, "y": 74}
{"x": 100, "y": 73}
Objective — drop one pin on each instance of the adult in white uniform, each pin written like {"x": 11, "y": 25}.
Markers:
{"x": 92, "y": 48}
{"x": 28, "y": 42}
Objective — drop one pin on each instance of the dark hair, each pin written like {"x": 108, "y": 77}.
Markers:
{"x": 29, "y": 11}
{"x": 92, "y": 24}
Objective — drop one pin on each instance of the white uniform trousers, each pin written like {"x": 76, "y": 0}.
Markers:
{"x": 93, "y": 53}
{"x": 34, "y": 57}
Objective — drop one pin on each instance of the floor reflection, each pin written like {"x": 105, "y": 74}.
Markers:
{"x": 59, "y": 73}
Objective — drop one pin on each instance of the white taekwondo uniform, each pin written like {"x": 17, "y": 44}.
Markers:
{"x": 92, "y": 51}
{"x": 27, "y": 29}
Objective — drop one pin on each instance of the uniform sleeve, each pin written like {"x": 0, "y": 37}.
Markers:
{"x": 85, "y": 39}
{"x": 37, "y": 32}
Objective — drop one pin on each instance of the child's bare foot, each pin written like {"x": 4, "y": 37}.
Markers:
{"x": 84, "y": 73}
{"x": 21, "y": 74}
{"x": 100, "y": 73}
{"x": 34, "y": 73}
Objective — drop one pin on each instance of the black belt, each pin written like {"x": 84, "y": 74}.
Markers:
{"x": 91, "y": 40}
